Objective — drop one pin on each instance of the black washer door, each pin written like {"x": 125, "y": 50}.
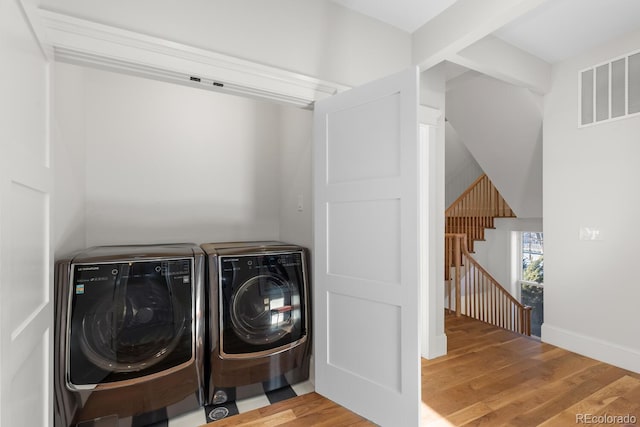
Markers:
{"x": 129, "y": 320}
{"x": 264, "y": 309}
{"x": 262, "y": 302}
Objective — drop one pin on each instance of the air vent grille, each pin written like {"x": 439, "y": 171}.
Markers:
{"x": 610, "y": 91}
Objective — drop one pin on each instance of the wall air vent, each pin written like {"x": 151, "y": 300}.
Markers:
{"x": 610, "y": 91}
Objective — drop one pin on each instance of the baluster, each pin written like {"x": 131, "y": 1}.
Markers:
{"x": 467, "y": 287}
{"x": 504, "y": 314}
{"x": 476, "y": 308}
{"x": 449, "y": 266}
{"x": 473, "y": 292}
{"x": 512, "y": 322}
{"x": 483, "y": 283}
{"x": 457, "y": 251}
{"x": 485, "y": 296}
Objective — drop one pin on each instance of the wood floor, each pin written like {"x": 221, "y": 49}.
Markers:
{"x": 306, "y": 410}
{"x": 493, "y": 377}
{"x": 490, "y": 377}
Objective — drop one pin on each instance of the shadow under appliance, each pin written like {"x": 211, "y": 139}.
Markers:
{"x": 129, "y": 333}
{"x": 259, "y": 333}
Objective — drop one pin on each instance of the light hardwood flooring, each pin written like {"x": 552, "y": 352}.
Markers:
{"x": 490, "y": 377}
{"x": 307, "y": 410}
{"x": 493, "y": 377}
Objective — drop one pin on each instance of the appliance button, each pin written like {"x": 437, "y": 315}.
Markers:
{"x": 218, "y": 413}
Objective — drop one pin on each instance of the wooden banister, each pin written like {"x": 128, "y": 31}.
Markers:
{"x": 476, "y": 293}
{"x": 475, "y": 210}
{"x": 466, "y": 192}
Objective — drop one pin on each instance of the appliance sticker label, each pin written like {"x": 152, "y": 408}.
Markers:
{"x": 79, "y": 289}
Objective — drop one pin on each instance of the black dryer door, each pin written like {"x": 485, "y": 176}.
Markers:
{"x": 128, "y": 320}
{"x": 262, "y": 302}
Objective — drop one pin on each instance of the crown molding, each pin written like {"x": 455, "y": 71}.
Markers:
{"x": 84, "y": 42}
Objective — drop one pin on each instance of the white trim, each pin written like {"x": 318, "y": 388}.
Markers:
{"x": 30, "y": 11}
{"x": 615, "y": 119}
{"x": 437, "y": 347}
{"x": 594, "y": 68}
{"x": 623, "y": 357}
{"x": 530, "y": 283}
{"x": 594, "y": 88}
{"x": 626, "y": 86}
{"x": 626, "y": 55}
{"x": 428, "y": 115}
{"x": 496, "y": 58}
{"x": 434, "y": 339}
{"x": 580, "y": 85}
{"x": 610, "y": 82}
{"x": 463, "y": 24}
{"x": 516, "y": 263}
{"x": 84, "y": 42}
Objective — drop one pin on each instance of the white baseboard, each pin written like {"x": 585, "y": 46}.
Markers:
{"x": 613, "y": 354}
{"x": 436, "y": 348}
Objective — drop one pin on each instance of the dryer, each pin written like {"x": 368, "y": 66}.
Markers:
{"x": 129, "y": 333}
{"x": 259, "y": 318}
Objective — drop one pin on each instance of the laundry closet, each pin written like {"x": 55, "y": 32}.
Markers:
{"x": 143, "y": 162}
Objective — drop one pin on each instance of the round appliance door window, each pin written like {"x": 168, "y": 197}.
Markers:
{"x": 135, "y": 331}
{"x": 129, "y": 319}
{"x": 264, "y": 309}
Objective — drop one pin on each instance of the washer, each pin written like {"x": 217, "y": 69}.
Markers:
{"x": 129, "y": 333}
{"x": 259, "y": 319}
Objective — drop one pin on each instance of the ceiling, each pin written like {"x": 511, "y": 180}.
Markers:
{"x": 408, "y": 15}
{"x": 553, "y": 32}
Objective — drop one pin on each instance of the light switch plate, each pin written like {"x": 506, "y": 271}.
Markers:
{"x": 590, "y": 233}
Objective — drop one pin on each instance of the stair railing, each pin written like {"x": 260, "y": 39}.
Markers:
{"x": 473, "y": 292}
{"x": 475, "y": 210}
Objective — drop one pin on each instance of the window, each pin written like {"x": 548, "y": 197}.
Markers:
{"x": 532, "y": 257}
{"x": 532, "y": 277}
{"x": 610, "y": 91}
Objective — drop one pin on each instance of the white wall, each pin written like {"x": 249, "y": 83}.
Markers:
{"x": 69, "y": 153}
{"x": 461, "y": 169}
{"x": 165, "y": 163}
{"x": 501, "y": 125}
{"x": 296, "y": 225}
{"x": 312, "y": 37}
{"x": 591, "y": 179}
{"x": 496, "y": 253}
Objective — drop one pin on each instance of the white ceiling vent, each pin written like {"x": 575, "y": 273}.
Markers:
{"x": 610, "y": 91}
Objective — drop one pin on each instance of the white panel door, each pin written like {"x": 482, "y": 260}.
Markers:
{"x": 367, "y": 250}
{"x": 26, "y": 315}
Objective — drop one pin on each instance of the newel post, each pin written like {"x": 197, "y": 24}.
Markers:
{"x": 527, "y": 318}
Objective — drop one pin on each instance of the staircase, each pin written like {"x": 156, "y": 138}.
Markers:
{"x": 475, "y": 210}
{"x": 470, "y": 289}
